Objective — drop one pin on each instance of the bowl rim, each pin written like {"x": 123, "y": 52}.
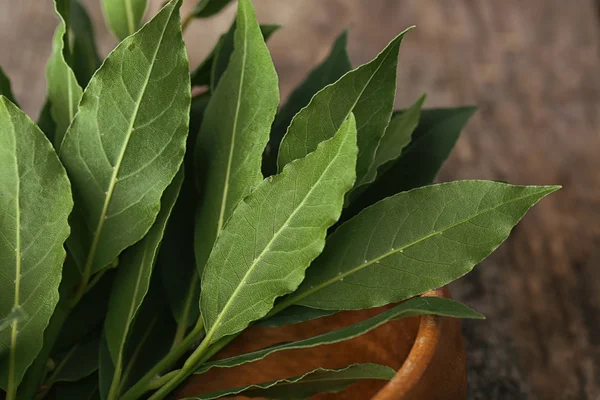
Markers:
{"x": 420, "y": 356}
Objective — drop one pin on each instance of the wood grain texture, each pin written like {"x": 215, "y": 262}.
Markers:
{"x": 534, "y": 69}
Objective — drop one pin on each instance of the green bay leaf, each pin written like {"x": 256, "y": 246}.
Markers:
{"x": 35, "y": 203}
{"x": 133, "y": 281}
{"x": 85, "y": 59}
{"x": 330, "y": 70}
{"x": 413, "y": 242}
{"x": 367, "y": 91}
{"x": 234, "y": 131}
{"x": 124, "y": 17}
{"x": 304, "y": 386}
{"x": 64, "y": 91}
{"x": 274, "y": 234}
{"x": 127, "y": 141}
{"x": 208, "y": 8}
{"x": 410, "y": 308}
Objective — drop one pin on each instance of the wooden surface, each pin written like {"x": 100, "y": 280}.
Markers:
{"x": 534, "y": 69}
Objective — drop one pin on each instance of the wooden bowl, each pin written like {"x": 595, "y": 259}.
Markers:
{"x": 428, "y": 353}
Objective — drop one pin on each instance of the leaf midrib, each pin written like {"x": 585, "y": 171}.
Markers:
{"x": 13, "y": 336}
{"x": 234, "y": 127}
{"x": 275, "y": 236}
{"x": 359, "y": 267}
{"x": 117, "y": 166}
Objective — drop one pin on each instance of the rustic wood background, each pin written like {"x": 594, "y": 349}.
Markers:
{"x": 534, "y": 69}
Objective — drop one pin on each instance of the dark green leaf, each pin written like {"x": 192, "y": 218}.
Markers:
{"x": 133, "y": 280}
{"x": 46, "y": 122}
{"x": 413, "y": 242}
{"x": 224, "y": 50}
{"x": 5, "y": 89}
{"x": 367, "y": 91}
{"x": 330, "y": 70}
{"x": 421, "y": 160}
{"x": 124, "y": 17}
{"x": 234, "y": 131}
{"x": 85, "y": 60}
{"x": 64, "y": 92}
{"x": 35, "y": 202}
{"x": 302, "y": 387}
{"x": 79, "y": 362}
{"x": 85, "y": 389}
{"x": 396, "y": 137}
{"x": 208, "y": 8}
{"x": 127, "y": 141}
{"x": 89, "y": 313}
{"x": 410, "y": 308}
{"x": 293, "y": 315}
{"x": 106, "y": 368}
{"x": 274, "y": 234}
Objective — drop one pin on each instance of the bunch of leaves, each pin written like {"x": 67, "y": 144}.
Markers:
{"x": 188, "y": 219}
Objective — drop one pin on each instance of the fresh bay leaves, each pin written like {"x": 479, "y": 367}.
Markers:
{"x": 208, "y": 8}
{"x": 410, "y": 308}
{"x": 330, "y": 70}
{"x": 234, "y": 131}
{"x": 274, "y": 234}
{"x": 124, "y": 17}
{"x": 133, "y": 281}
{"x": 85, "y": 59}
{"x": 128, "y": 140}
{"x": 367, "y": 91}
{"x": 5, "y": 88}
{"x": 413, "y": 242}
{"x": 34, "y": 209}
{"x": 64, "y": 91}
{"x": 420, "y": 162}
{"x": 224, "y": 50}
{"x": 304, "y": 386}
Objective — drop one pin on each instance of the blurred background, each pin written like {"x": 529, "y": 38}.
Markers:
{"x": 533, "y": 68}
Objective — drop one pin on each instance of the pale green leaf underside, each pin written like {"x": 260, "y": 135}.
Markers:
{"x": 367, "y": 91}
{"x": 234, "y": 131}
{"x": 64, "y": 92}
{"x": 274, "y": 234}
{"x": 302, "y": 387}
{"x": 410, "y": 308}
{"x": 133, "y": 278}
{"x": 124, "y": 17}
{"x": 127, "y": 140}
{"x": 413, "y": 242}
{"x": 35, "y": 203}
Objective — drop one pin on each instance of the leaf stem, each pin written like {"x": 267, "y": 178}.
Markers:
{"x": 145, "y": 383}
{"x": 52, "y": 379}
{"x": 202, "y": 354}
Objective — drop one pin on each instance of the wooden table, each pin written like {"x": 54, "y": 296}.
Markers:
{"x": 534, "y": 69}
